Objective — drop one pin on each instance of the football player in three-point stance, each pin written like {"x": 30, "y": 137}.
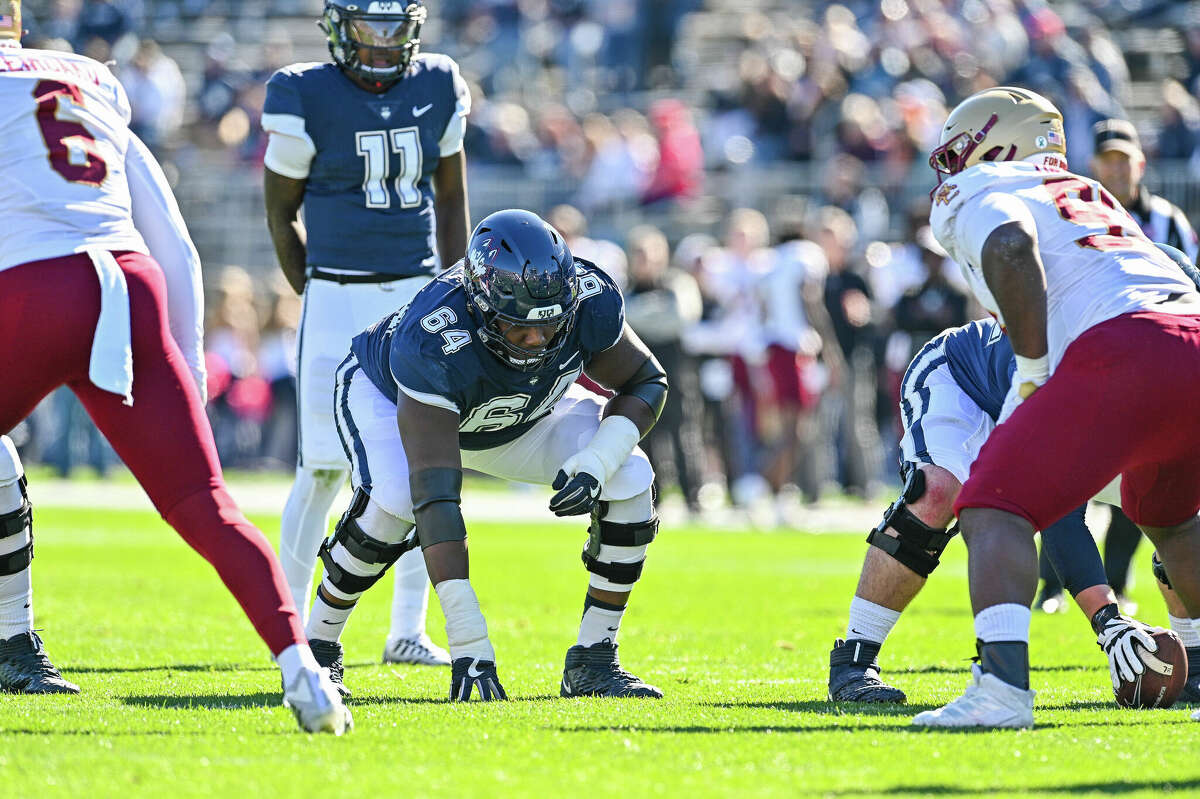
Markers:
{"x": 90, "y": 226}
{"x": 371, "y": 146}
{"x": 952, "y": 396}
{"x": 1105, "y": 330}
{"x": 479, "y": 371}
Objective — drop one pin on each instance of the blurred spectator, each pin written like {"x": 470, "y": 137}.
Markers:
{"x": 661, "y": 304}
{"x": 277, "y": 366}
{"x": 107, "y": 20}
{"x": 1179, "y": 122}
{"x": 568, "y": 220}
{"x": 679, "y": 172}
{"x": 156, "y": 93}
{"x": 934, "y": 305}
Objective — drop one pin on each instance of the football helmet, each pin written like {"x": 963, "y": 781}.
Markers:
{"x": 1005, "y": 123}
{"x": 519, "y": 271}
{"x": 373, "y": 39}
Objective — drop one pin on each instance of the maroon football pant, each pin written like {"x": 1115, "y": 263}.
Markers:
{"x": 1122, "y": 401}
{"x": 48, "y": 314}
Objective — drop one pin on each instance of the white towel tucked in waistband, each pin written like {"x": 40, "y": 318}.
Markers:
{"x": 111, "y": 366}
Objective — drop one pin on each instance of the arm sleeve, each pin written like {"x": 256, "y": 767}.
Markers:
{"x": 290, "y": 150}
{"x": 452, "y": 139}
{"x": 156, "y": 216}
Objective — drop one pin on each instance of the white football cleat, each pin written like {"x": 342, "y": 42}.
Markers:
{"x": 316, "y": 703}
{"x": 988, "y": 702}
{"x": 420, "y": 651}
{"x": 1196, "y": 716}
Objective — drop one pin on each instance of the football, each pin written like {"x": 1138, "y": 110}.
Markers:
{"x": 1162, "y": 681}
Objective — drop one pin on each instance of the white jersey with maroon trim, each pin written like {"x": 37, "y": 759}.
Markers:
{"x": 1099, "y": 264}
{"x": 63, "y": 189}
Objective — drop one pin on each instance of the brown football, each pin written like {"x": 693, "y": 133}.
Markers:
{"x": 1165, "y": 675}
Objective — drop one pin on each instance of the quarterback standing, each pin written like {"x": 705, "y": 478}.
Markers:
{"x": 479, "y": 372}
{"x": 1105, "y": 330}
{"x": 371, "y": 146}
{"x": 100, "y": 291}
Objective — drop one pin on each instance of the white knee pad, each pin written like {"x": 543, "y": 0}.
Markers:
{"x": 365, "y": 543}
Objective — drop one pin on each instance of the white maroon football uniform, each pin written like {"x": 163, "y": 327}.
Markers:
{"x": 1098, "y": 263}
{"x": 63, "y": 187}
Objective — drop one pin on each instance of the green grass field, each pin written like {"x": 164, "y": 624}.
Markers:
{"x": 180, "y": 698}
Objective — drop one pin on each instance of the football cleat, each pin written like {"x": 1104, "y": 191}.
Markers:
{"x": 26, "y": 669}
{"x": 329, "y": 656}
{"x": 988, "y": 702}
{"x": 421, "y": 651}
{"x": 316, "y": 703}
{"x": 595, "y": 671}
{"x": 854, "y": 674}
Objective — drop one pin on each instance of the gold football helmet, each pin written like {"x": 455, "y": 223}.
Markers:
{"x": 10, "y": 19}
{"x": 1005, "y": 123}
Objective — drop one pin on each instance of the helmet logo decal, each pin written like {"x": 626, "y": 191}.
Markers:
{"x": 1041, "y": 143}
{"x": 548, "y": 312}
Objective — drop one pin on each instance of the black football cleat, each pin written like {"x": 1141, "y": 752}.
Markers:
{"x": 329, "y": 656}
{"x": 854, "y": 674}
{"x": 595, "y": 671}
{"x": 26, "y": 669}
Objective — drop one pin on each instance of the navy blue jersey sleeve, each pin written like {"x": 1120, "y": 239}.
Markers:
{"x": 283, "y": 93}
{"x": 420, "y": 369}
{"x": 601, "y": 315}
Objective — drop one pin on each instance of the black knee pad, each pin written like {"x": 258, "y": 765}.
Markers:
{"x": 15, "y": 523}
{"x": 919, "y": 546}
{"x": 618, "y": 534}
{"x": 1160, "y": 571}
{"x": 355, "y": 540}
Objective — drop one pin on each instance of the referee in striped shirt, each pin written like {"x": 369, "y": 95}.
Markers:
{"x": 1119, "y": 165}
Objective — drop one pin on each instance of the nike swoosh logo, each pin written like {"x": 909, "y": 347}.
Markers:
{"x": 568, "y": 363}
{"x": 473, "y": 672}
{"x": 612, "y": 629}
{"x": 421, "y": 111}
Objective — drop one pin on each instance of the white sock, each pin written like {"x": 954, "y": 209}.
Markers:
{"x": 1188, "y": 630}
{"x": 1006, "y": 622}
{"x": 870, "y": 622}
{"x": 410, "y": 596}
{"x": 295, "y": 659}
{"x": 599, "y": 624}
{"x": 304, "y": 525}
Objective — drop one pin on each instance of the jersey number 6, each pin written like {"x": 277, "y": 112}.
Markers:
{"x": 72, "y": 149}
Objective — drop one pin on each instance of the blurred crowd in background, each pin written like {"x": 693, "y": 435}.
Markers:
{"x": 786, "y": 311}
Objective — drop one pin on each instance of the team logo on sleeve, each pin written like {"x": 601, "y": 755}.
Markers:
{"x": 945, "y": 193}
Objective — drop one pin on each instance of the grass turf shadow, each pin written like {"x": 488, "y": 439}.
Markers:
{"x": 213, "y": 701}
{"x": 1128, "y": 786}
{"x": 70, "y": 669}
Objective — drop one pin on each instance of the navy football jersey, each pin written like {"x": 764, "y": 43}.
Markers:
{"x": 368, "y": 202}
{"x": 981, "y": 361}
{"x": 429, "y": 350}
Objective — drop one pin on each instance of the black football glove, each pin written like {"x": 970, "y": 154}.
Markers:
{"x": 576, "y": 495}
{"x": 470, "y": 673}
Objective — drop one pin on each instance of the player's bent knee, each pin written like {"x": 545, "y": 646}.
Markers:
{"x": 616, "y": 552}
{"x": 916, "y": 544}
{"x": 371, "y": 536}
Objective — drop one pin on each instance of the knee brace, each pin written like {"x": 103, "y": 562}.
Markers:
{"x": 616, "y": 552}
{"x": 376, "y": 555}
{"x": 1160, "y": 571}
{"x": 919, "y": 546}
{"x": 18, "y": 522}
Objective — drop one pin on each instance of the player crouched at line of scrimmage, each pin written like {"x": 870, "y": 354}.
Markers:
{"x": 480, "y": 371}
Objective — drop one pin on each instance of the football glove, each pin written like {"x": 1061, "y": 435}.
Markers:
{"x": 1117, "y": 639}
{"x": 469, "y": 673}
{"x": 578, "y": 488}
